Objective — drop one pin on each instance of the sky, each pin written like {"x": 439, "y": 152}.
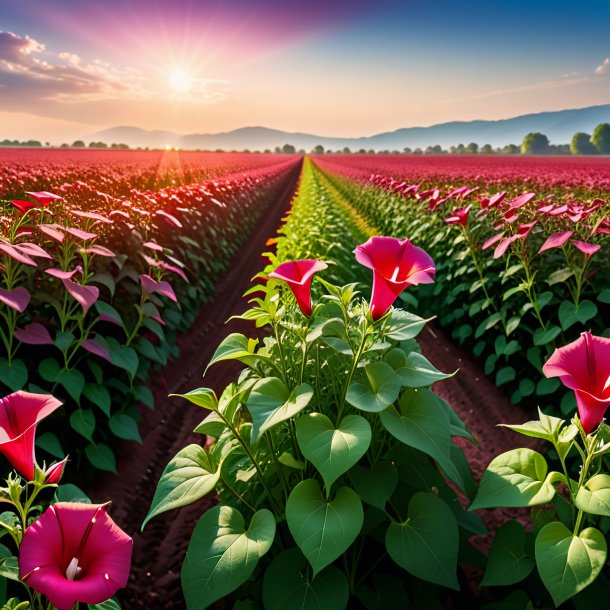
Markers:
{"x": 69, "y": 68}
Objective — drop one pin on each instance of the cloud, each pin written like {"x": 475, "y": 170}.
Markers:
{"x": 604, "y": 67}
{"x": 31, "y": 74}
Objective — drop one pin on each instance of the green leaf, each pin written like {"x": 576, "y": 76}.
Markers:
{"x": 505, "y": 374}
{"x": 377, "y": 389}
{"x": 331, "y": 450}
{"x": 83, "y": 421}
{"x": 145, "y": 396}
{"x": 559, "y": 276}
{"x": 235, "y": 347}
{"x": 375, "y": 485}
{"x": 604, "y": 296}
{"x": 202, "y": 397}
{"x": 50, "y": 443}
{"x": 14, "y": 375}
{"x": 423, "y": 423}
{"x": 568, "y": 563}
{"x": 99, "y": 396}
{"x": 68, "y": 492}
{"x": 546, "y": 427}
{"x": 404, "y": 325}
{"x": 123, "y": 356}
{"x": 323, "y": 529}
{"x": 63, "y": 340}
{"x": 286, "y": 585}
{"x": 426, "y": 544}
{"x": 108, "y": 311}
{"x": 508, "y": 561}
{"x": 212, "y": 425}
{"x": 189, "y": 476}
{"x": 594, "y": 496}
{"x": 516, "y": 478}
{"x": 124, "y": 426}
{"x": 109, "y": 604}
{"x": 101, "y": 456}
{"x": 222, "y": 553}
{"x": 419, "y": 372}
{"x": 544, "y": 337}
{"x": 271, "y": 402}
{"x": 9, "y": 565}
{"x": 72, "y": 379}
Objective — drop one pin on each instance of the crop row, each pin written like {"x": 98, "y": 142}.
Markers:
{"x": 91, "y": 302}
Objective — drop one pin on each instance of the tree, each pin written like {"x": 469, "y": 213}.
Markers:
{"x": 487, "y": 149}
{"x": 472, "y": 148}
{"x": 601, "y": 138}
{"x": 289, "y": 149}
{"x": 581, "y": 144}
{"x": 78, "y": 144}
{"x": 406, "y": 150}
{"x": 511, "y": 149}
{"x": 535, "y": 143}
{"x": 318, "y": 149}
{"x": 362, "y": 151}
{"x": 346, "y": 150}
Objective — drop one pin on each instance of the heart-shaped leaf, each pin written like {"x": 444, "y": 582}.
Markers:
{"x": 377, "y": 389}
{"x": 375, "y": 485}
{"x": 517, "y": 478}
{"x": 331, "y": 450}
{"x": 222, "y": 553}
{"x": 426, "y": 544}
{"x": 508, "y": 562}
{"x": 323, "y": 529}
{"x": 124, "y": 426}
{"x": 286, "y": 585}
{"x": 101, "y": 456}
{"x": 419, "y": 372}
{"x": 189, "y": 476}
{"x": 83, "y": 421}
{"x": 271, "y": 402}
{"x": 568, "y": 563}
{"x": 14, "y": 375}
{"x": 594, "y": 496}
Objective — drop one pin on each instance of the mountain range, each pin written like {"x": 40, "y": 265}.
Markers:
{"x": 559, "y": 126}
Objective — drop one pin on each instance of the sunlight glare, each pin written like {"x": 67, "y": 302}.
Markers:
{"x": 180, "y": 80}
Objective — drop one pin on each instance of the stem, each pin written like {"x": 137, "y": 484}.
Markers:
{"x": 583, "y": 475}
{"x": 350, "y": 376}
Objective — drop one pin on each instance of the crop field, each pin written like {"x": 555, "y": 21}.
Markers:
{"x": 406, "y": 368}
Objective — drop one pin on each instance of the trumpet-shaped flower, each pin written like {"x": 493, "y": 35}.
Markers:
{"x": 20, "y": 413}
{"x": 584, "y": 366}
{"x": 396, "y": 264}
{"x": 298, "y": 275}
{"x": 75, "y": 553}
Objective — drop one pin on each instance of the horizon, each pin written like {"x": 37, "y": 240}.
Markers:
{"x": 335, "y": 69}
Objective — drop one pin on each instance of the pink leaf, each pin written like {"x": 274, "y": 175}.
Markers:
{"x": 151, "y": 245}
{"x": 34, "y": 334}
{"x": 492, "y": 240}
{"x": 44, "y": 197}
{"x": 100, "y": 251}
{"x": 84, "y": 235}
{"x": 96, "y": 348}
{"x": 84, "y": 295}
{"x": 173, "y": 269}
{"x": 17, "y": 255}
{"x": 52, "y": 231}
{"x": 586, "y": 248}
{"x": 556, "y": 240}
{"x": 150, "y": 285}
{"x": 63, "y": 275}
{"x": 169, "y": 217}
{"x": 33, "y": 250}
{"x": 18, "y": 298}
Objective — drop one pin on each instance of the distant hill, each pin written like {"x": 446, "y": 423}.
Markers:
{"x": 559, "y": 126}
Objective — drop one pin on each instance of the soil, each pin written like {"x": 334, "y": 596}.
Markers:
{"x": 159, "y": 551}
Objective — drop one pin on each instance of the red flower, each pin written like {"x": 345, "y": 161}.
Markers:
{"x": 20, "y": 413}
{"x": 298, "y": 275}
{"x": 75, "y": 553}
{"x": 584, "y": 366}
{"x": 396, "y": 264}
{"x": 459, "y": 216}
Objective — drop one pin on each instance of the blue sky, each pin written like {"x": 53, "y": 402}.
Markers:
{"x": 330, "y": 67}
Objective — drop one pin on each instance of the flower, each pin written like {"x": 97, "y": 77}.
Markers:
{"x": 20, "y": 413}
{"x": 584, "y": 366}
{"x": 75, "y": 553}
{"x": 298, "y": 275}
{"x": 396, "y": 264}
{"x": 459, "y": 216}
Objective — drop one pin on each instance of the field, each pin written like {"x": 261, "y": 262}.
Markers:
{"x": 345, "y": 450}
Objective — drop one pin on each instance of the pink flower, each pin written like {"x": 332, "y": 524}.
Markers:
{"x": 54, "y": 472}
{"x": 298, "y": 275}
{"x": 459, "y": 216}
{"x": 396, "y": 264}
{"x": 584, "y": 366}
{"x": 44, "y": 197}
{"x": 75, "y": 553}
{"x": 20, "y": 413}
{"x": 556, "y": 240}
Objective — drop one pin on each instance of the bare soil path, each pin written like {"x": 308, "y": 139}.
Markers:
{"x": 159, "y": 550}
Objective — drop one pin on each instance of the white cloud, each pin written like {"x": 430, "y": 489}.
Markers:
{"x": 604, "y": 67}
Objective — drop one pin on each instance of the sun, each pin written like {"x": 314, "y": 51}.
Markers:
{"x": 180, "y": 80}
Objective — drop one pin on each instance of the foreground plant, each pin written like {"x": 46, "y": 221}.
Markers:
{"x": 331, "y": 456}
{"x": 72, "y": 552}
{"x": 568, "y": 537}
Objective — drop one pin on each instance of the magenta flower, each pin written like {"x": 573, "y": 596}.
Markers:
{"x": 53, "y": 474}
{"x": 396, "y": 264}
{"x": 20, "y": 413}
{"x": 33, "y": 333}
{"x": 44, "y": 198}
{"x": 75, "y": 553}
{"x": 459, "y": 216}
{"x": 298, "y": 275}
{"x": 584, "y": 366}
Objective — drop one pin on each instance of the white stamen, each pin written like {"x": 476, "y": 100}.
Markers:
{"x": 73, "y": 570}
{"x": 395, "y": 274}
{"x": 93, "y": 520}
{"x": 106, "y": 577}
